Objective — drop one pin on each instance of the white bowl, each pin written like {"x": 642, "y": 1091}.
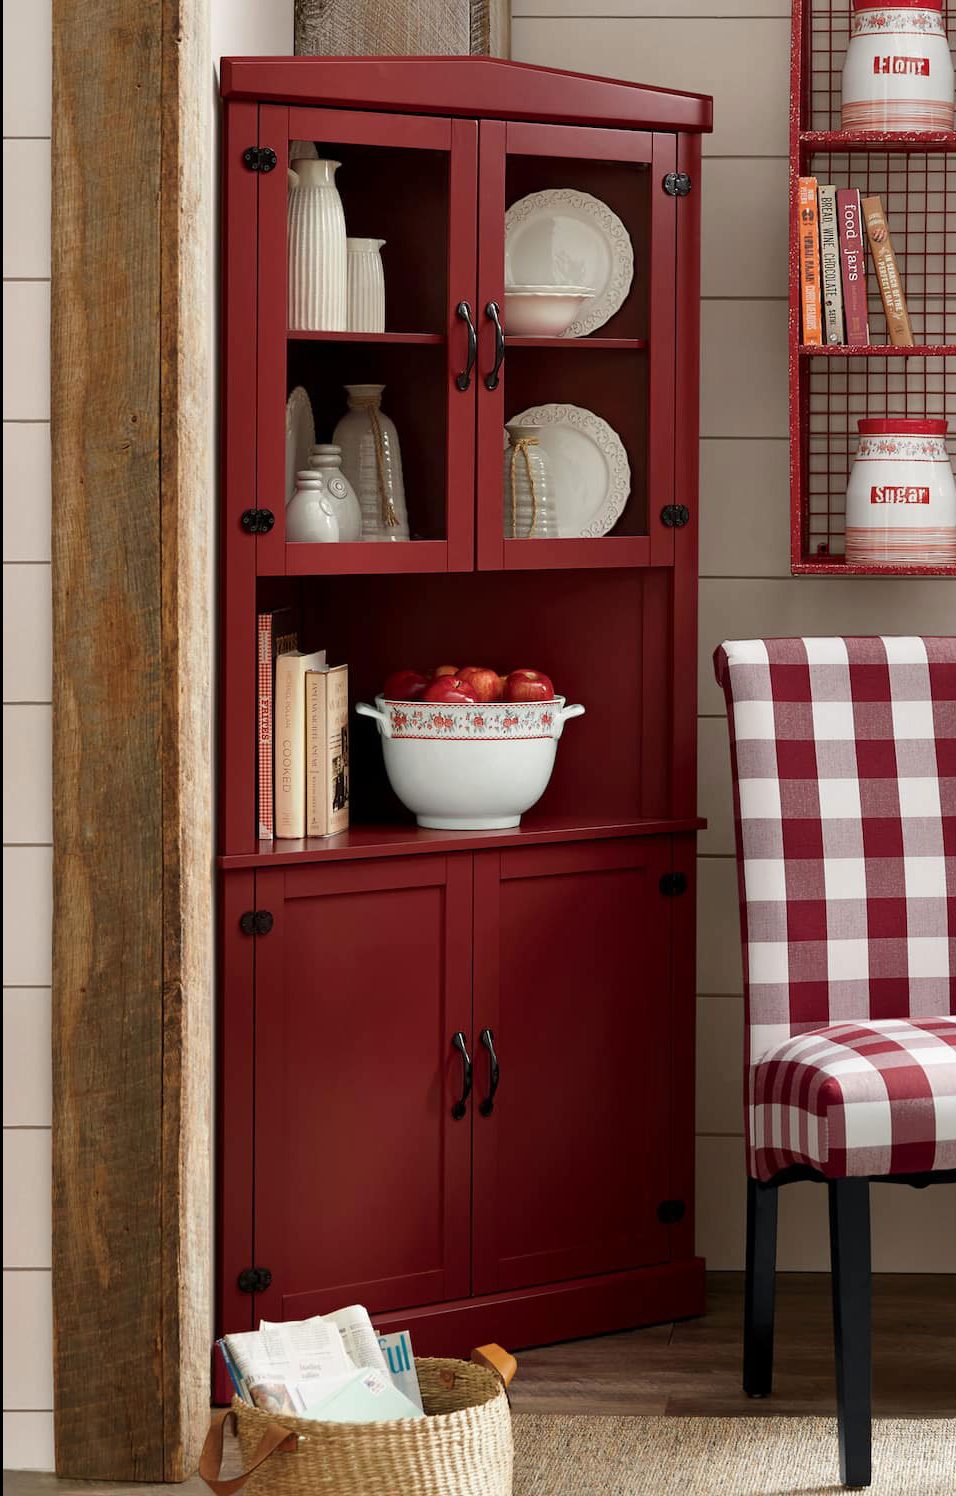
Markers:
{"x": 469, "y": 766}
{"x": 543, "y": 311}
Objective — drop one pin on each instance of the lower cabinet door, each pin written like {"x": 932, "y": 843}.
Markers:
{"x": 362, "y": 1173}
{"x": 572, "y": 991}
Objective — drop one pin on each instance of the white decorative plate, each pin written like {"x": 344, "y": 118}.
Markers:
{"x": 299, "y": 436}
{"x": 590, "y": 473}
{"x": 563, "y": 237}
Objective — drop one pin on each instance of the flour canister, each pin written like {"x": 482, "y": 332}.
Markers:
{"x": 898, "y": 73}
{"x": 901, "y": 500}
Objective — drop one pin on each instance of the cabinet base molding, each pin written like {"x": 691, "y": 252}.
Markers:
{"x": 556, "y": 1311}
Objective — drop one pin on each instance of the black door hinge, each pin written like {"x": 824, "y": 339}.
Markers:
{"x": 254, "y": 1279}
{"x": 257, "y": 521}
{"x": 260, "y": 158}
{"x": 673, "y": 884}
{"x": 670, "y": 1211}
{"x": 256, "y": 922}
{"x": 675, "y": 516}
{"x": 677, "y": 184}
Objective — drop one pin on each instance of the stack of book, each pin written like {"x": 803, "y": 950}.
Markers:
{"x": 833, "y": 227}
{"x": 303, "y": 735}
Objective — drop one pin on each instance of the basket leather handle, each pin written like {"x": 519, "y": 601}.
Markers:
{"x": 495, "y": 1358}
{"x": 210, "y": 1461}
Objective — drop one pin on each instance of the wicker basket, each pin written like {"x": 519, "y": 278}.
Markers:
{"x": 463, "y": 1448}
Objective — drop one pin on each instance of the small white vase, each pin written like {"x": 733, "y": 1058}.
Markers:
{"x": 366, "y": 285}
{"x": 528, "y": 500}
{"x": 372, "y": 462}
{"x": 317, "y": 252}
{"x": 326, "y": 460}
{"x": 310, "y": 515}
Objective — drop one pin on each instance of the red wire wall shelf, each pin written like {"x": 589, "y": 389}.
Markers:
{"x": 831, "y": 387}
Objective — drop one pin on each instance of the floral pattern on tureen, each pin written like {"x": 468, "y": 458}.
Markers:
{"x": 483, "y": 721}
{"x": 897, "y": 22}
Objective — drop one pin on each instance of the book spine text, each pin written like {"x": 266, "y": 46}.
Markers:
{"x": 853, "y": 267}
{"x": 830, "y": 266}
{"x": 887, "y": 273}
{"x": 807, "y": 230}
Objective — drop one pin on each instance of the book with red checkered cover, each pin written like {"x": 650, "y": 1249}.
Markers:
{"x": 275, "y": 635}
{"x": 843, "y": 755}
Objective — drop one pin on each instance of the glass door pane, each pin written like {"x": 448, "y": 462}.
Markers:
{"x": 576, "y": 261}
{"x": 338, "y": 370}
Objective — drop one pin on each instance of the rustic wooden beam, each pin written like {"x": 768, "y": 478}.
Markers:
{"x": 131, "y": 644}
{"x": 402, "y": 28}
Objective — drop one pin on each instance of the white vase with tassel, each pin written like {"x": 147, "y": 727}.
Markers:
{"x": 529, "y": 502}
{"x": 318, "y": 299}
{"x": 372, "y": 463}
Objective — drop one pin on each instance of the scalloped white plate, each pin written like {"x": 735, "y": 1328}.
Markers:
{"x": 562, "y": 237}
{"x": 299, "y": 436}
{"x": 590, "y": 473}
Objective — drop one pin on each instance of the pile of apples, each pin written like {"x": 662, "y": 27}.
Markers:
{"x": 449, "y": 683}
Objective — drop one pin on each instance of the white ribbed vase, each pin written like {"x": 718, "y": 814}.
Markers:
{"x": 529, "y": 503}
{"x": 372, "y": 462}
{"x": 366, "y": 285}
{"x": 317, "y": 250}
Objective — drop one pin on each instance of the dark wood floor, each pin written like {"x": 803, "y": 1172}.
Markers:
{"x": 694, "y": 1368}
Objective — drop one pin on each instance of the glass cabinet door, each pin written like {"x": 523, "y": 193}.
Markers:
{"x": 576, "y": 304}
{"x": 355, "y": 201}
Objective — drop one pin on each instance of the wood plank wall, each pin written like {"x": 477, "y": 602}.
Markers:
{"x": 131, "y": 756}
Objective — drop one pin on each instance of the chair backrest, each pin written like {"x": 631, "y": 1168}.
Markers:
{"x": 844, "y": 765}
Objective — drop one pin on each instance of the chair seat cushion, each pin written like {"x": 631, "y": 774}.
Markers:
{"x": 855, "y": 1099}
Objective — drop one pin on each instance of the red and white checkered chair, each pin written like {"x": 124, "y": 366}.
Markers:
{"x": 844, "y": 768}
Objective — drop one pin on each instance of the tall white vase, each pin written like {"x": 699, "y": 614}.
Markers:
{"x": 372, "y": 462}
{"x": 317, "y": 251}
{"x": 366, "y": 278}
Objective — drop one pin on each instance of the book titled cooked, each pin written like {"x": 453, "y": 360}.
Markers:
{"x": 289, "y": 739}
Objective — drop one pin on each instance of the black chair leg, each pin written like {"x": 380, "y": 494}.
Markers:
{"x": 758, "y": 1299}
{"x": 850, "y": 1267}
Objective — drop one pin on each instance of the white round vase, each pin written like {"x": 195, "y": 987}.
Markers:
{"x": 317, "y": 250}
{"x": 898, "y": 73}
{"x": 372, "y": 463}
{"x": 326, "y": 460}
{"x": 366, "y": 285}
{"x": 901, "y": 499}
{"x": 310, "y": 515}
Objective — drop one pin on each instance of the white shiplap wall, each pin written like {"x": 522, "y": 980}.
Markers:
{"x": 739, "y": 51}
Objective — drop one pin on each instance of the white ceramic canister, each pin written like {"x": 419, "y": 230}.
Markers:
{"x": 901, "y": 499}
{"x": 310, "y": 515}
{"x": 898, "y": 73}
{"x": 528, "y": 500}
{"x": 372, "y": 463}
{"x": 317, "y": 253}
{"x": 326, "y": 460}
{"x": 366, "y": 285}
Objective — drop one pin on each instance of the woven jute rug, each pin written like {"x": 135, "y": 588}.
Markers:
{"x": 563, "y": 1455}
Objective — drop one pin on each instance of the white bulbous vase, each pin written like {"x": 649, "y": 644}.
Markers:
{"x": 326, "y": 460}
{"x": 309, "y": 515}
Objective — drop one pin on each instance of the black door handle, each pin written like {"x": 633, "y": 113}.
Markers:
{"x": 487, "y": 1038}
{"x": 459, "y": 1043}
{"x": 492, "y": 310}
{"x": 463, "y": 380}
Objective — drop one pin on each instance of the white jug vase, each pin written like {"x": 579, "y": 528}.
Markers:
{"x": 372, "y": 463}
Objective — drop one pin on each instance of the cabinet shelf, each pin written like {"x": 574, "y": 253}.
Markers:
{"x": 836, "y": 566}
{"x": 878, "y": 350}
{"x": 876, "y": 140}
{"x": 431, "y": 339}
{"x": 608, "y": 344}
{"x": 363, "y": 558}
{"x": 408, "y": 840}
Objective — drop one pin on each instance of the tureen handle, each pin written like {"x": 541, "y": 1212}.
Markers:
{"x": 363, "y": 709}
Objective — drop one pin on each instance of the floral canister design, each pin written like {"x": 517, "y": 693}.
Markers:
{"x": 898, "y": 73}
{"x": 901, "y": 499}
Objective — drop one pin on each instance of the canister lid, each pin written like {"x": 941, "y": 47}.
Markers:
{"x": 898, "y": 4}
{"x": 901, "y": 426}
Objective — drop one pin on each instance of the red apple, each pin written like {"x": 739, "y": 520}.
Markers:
{"x": 405, "y": 685}
{"x": 487, "y": 683}
{"x": 450, "y": 688}
{"x": 528, "y": 685}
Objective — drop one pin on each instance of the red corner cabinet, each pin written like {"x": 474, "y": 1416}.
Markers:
{"x": 456, "y": 1075}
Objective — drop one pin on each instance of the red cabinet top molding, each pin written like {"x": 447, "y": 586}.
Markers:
{"x": 473, "y": 87}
